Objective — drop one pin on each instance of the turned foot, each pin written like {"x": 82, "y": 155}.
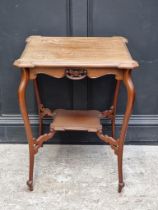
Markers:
{"x": 30, "y": 184}
{"x": 120, "y": 186}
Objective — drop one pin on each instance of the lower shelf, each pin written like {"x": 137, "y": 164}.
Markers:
{"x": 76, "y": 120}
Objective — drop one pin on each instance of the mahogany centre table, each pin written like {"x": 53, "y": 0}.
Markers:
{"x": 76, "y": 58}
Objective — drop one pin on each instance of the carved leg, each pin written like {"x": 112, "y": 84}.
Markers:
{"x": 39, "y": 104}
{"x": 114, "y": 106}
{"x": 22, "y": 104}
{"x": 130, "y": 101}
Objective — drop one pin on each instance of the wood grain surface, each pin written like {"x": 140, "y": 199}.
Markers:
{"x": 76, "y": 52}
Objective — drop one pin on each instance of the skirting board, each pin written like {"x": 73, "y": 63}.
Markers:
{"x": 143, "y": 129}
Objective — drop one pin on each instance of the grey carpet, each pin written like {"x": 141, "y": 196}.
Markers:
{"x": 73, "y": 177}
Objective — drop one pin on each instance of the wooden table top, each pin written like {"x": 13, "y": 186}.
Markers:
{"x": 76, "y": 52}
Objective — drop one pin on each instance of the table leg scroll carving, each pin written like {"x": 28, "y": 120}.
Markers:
{"x": 41, "y": 139}
{"x": 130, "y": 101}
{"x": 45, "y": 111}
{"x": 109, "y": 140}
{"x": 109, "y": 113}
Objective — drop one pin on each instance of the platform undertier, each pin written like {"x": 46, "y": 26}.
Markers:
{"x": 76, "y": 120}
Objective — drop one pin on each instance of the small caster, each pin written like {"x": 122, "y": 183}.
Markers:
{"x": 120, "y": 186}
{"x": 30, "y": 184}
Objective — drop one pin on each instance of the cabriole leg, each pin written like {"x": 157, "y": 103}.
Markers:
{"x": 22, "y": 104}
{"x": 130, "y": 101}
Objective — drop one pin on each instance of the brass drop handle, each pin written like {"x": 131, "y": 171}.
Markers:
{"x": 76, "y": 74}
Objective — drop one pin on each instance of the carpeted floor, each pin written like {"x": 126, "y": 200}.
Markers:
{"x": 78, "y": 177}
